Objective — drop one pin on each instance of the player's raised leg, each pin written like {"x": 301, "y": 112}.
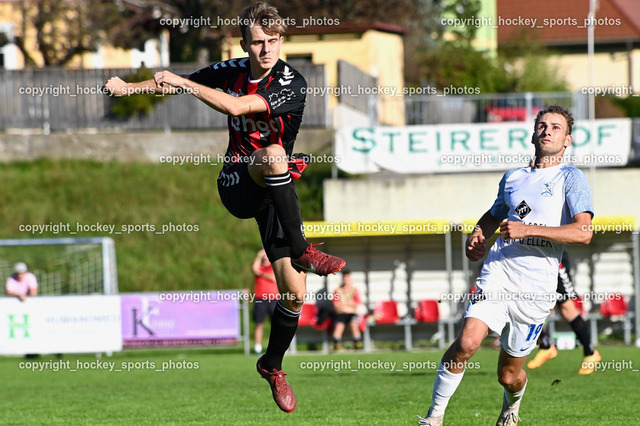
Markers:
{"x": 513, "y": 378}
{"x": 269, "y": 167}
{"x": 452, "y": 367}
{"x": 284, "y": 323}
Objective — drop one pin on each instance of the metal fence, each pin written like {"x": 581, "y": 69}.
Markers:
{"x": 65, "y": 99}
{"x": 439, "y": 109}
{"x": 350, "y": 76}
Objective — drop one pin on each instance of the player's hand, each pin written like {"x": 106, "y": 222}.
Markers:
{"x": 510, "y": 230}
{"x": 165, "y": 78}
{"x": 476, "y": 247}
{"x": 115, "y": 86}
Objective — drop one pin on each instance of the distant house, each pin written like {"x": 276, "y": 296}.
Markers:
{"x": 562, "y": 27}
{"x": 154, "y": 54}
{"x": 376, "y": 49}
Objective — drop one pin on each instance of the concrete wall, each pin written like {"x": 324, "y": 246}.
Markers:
{"x": 136, "y": 146}
{"x": 456, "y": 197}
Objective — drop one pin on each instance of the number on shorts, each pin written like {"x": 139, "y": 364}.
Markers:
{"x": 534, "y": 330}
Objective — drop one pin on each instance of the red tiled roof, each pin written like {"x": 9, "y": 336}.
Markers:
{"x": 564, "y": 21}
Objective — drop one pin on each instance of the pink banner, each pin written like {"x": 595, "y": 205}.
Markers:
{"x": 195, "y": 318}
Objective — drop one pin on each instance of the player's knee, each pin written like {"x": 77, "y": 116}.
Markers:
{"x": 468, "y": 345}
{"x": 269, "y": 160}
{"x": 292, "y": 300}
{"x": 509, "y": 378}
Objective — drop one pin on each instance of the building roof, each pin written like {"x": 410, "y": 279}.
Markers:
{"x": 565, "y": 22}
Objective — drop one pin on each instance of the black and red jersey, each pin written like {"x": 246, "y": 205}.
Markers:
{"x": 283, "y": 91}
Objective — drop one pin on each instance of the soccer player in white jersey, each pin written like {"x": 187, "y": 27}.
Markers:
{"x": 546, "y": 206}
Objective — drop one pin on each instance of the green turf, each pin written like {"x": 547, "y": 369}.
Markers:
{"x": 221, "y": 387}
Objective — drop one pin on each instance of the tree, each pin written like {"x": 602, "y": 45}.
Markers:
{"x": 530, "y": 65}
{"x": 465, "y": 11}
{"x": 198, "y": 36}
{"x": 66, "y": 28}
{"x": 457, "y": 65}
{"x": 521, "y": 66}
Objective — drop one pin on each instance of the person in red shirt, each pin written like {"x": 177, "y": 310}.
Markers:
{"x": 266, "y": 296}
{"x": 346, "y": 301}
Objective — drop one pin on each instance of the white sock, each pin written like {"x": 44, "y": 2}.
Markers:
{"x": 443, "y": 389}
{"x": 512, "y": 400}
{"x": 257, "y": 348}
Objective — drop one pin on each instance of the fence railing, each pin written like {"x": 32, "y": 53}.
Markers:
{"x": 440, "y": 109}
{"x": 64, "y": 99}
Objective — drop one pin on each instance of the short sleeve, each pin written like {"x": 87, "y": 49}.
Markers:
{"x": 356, "y": 298}
{"x": 286, "y": 94}
{"x": 33, "y": 282}
{"x": 577, "y": 192}
{"x": 500, "y": 209}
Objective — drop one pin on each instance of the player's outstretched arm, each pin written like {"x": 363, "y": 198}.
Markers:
{"x": 118, "y": 87}
{"x": 486, "y": 226}
{"x": 578, "y": 232}
{"x": 216, "y": 99}
{"x": 115, "y": 86}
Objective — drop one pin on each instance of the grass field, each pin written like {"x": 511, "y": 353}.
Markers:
{"x": 140, "y": 194}
{"x": 221, "y": 387}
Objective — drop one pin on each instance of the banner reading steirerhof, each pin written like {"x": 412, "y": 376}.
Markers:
{"x": 473, "y": 147}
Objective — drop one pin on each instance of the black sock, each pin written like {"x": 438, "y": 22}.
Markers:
{"x": 285, "y": 200}
{"x": 545, "y": 342}
{"x": 579, "y": 326}
{"x": 284, "y": 324}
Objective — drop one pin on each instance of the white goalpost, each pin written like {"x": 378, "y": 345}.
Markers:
{"x": 64, "y": 265}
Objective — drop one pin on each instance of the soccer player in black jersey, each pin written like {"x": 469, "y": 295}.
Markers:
{"x": 264, "y": 99}
{"x": 572, "y": 315}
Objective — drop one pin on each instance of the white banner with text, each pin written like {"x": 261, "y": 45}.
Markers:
{"x": 446, "y": 148}
{"x": 60, "y": 324}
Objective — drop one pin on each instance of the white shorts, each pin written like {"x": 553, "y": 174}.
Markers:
{"x": 517, "y": 322}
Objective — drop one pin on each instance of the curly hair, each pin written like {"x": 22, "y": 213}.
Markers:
{"x": 556, "y": 109}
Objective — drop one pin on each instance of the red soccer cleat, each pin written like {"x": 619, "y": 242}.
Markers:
{"x": 282, "y": 392}
{"x": 313, "y": 260}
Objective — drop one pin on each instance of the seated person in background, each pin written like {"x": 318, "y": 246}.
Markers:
{"x": 22, "y": 283}
{"x": 346, "y": 301}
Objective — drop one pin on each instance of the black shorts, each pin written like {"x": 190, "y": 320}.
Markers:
{"x": 262, "y": 308}
{"x": 565, "y": 289}
{"x": 344, "y": 318}
{"x": 245, "y": 199}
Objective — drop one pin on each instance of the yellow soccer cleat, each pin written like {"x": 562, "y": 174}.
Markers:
{"x": 543, "y": 356}
{"x": 589, "y": 363}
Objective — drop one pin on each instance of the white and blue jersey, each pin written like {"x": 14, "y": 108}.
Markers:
{"x": 549, "y": 196}
{"x": 517, "y": 286}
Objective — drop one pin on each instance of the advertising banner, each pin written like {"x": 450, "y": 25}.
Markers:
{"x": 61, "y": 324}
{"x": 450, "y": 148}
{"x": 192, "y": 318}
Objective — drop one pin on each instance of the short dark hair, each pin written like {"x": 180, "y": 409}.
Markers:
{"x": 264, "y": 15}
{"x": 556, "y": 109}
